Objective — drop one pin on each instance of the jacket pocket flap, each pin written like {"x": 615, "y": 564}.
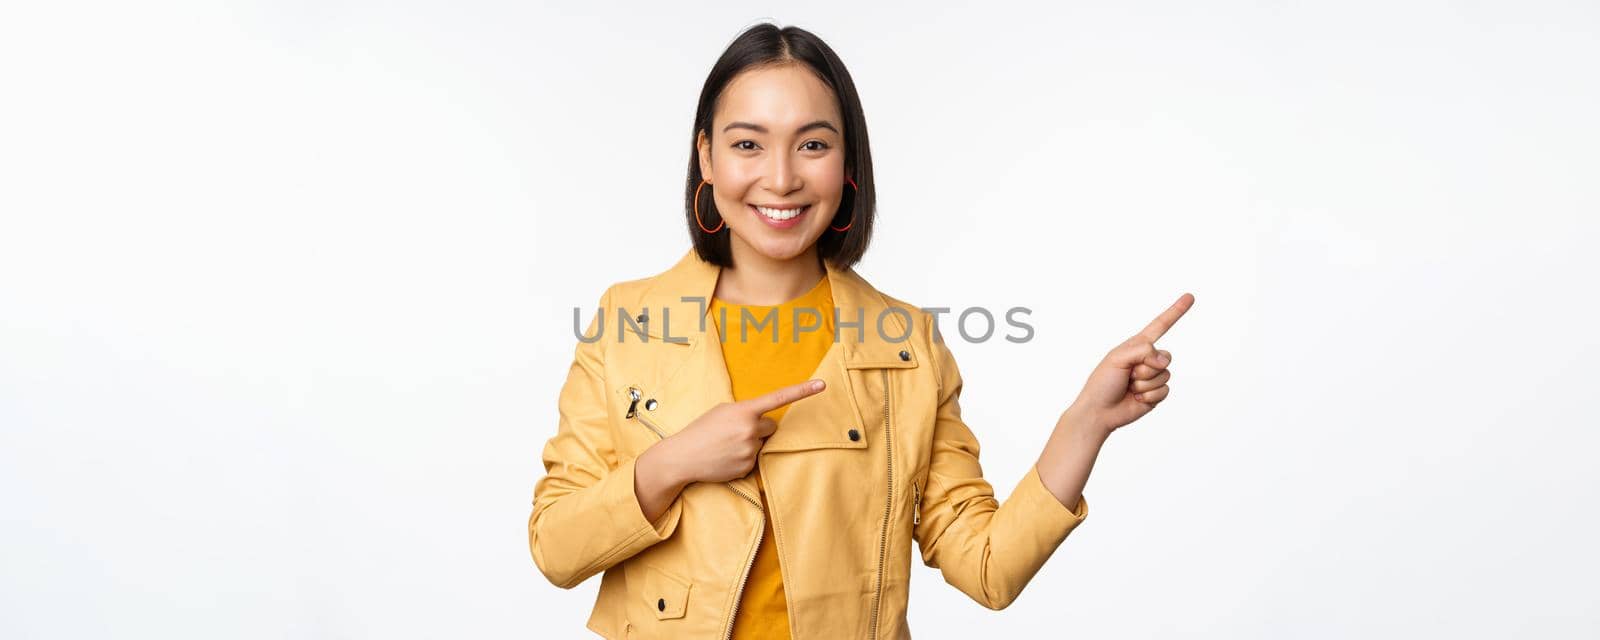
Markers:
{"x": 666, "y": 594}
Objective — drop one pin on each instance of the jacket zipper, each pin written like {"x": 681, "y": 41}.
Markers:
{"x": 888, "y": 505}
{"x": 651, "y": 426}
{"x": 633, "y": 412}
{"x": 748, "y": 564}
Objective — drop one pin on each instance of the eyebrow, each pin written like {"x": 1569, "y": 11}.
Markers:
{"x": 820, "y": 124}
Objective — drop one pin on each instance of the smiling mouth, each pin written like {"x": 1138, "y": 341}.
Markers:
{"x": 780, "y": 215}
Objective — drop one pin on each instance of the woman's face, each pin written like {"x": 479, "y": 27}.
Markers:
{"x": 776, "y": 143}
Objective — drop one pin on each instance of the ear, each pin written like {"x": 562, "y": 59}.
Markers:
{"x": 703, "y": 146}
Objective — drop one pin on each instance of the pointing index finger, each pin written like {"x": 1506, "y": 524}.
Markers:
{"x": 1163, "y": 322}
{"x": 773, "y": 400}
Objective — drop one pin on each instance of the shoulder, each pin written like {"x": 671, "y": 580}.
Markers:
{"x": 618, "y": 299}
{"x": 918, "y": 317}
{"x": 925, "y": 337}
{"x": 630, "y": 293}
{"x": 924, "y": 322}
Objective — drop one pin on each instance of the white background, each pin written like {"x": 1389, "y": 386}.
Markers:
{"x": 286, "y": 294}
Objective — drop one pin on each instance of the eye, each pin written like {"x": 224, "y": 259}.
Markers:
{"x": 742, "y": 142}
{"x": 820, "y": 145}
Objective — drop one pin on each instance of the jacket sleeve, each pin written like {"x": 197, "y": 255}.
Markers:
{"x": 586, "y": 516}
{"x": 987, "y": 549}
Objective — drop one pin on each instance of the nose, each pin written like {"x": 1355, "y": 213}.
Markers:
{"x": 784, "y": 179}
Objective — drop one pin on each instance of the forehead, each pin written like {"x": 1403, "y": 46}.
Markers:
{"x": 782, "y": 98}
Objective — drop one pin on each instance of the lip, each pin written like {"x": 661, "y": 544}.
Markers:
{"x": 780, "y": 224}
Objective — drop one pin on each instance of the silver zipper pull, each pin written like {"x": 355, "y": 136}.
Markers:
{"x": 916, "y": 505}
{"x": 633, "y": 407}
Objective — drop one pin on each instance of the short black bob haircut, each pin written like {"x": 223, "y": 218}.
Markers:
{"x": 768, "y": 45}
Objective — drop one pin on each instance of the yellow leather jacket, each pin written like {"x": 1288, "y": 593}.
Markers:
{"x": 853, "y": 475}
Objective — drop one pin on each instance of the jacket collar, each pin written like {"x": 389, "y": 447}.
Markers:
{"x": 872, "y": 331}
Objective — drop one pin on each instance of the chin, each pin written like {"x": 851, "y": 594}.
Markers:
{"x": 785, "y": 252}
{"x": 779, "y": 249}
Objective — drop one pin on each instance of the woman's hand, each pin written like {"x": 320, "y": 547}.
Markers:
{"x": 722, "y": 443}
{"x": 1132, "y": 379}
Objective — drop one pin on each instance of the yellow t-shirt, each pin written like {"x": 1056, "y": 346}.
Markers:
{"x": 756, "y": 365}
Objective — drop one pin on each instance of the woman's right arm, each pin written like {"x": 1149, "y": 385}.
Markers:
{"x": 592, "y": 510}
{"x": 657, "y": 480}
{"x": 587, "y": 515}
{"x": 720, "y": 445}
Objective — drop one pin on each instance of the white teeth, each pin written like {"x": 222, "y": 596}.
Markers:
{"x": 780, "y": 214}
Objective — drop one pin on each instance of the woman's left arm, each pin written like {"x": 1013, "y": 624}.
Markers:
{"x": 989, "y": 549}
{"x": 1127, "y": 384}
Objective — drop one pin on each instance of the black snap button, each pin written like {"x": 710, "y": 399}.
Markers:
{"x": 661, "y": 604}
{"x": 642, "y": 318}
{"x": 854, "y": 435}
{"x": 650, "y": 404}
{"x": 905, "y": 355}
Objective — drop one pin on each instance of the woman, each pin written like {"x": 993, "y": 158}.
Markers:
{"x": 731, "y": 484}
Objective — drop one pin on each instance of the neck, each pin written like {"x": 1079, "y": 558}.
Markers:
{"x": 759, "y": 280}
